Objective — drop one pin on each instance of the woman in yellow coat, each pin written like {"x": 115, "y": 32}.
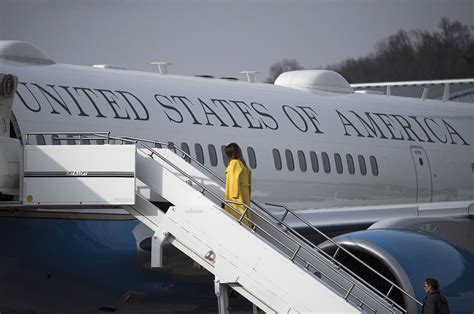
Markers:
{"x": 238, "y": 182}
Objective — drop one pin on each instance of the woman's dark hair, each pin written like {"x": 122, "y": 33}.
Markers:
{"x": 433, "y": 283}
{"x": 233, "y": 151}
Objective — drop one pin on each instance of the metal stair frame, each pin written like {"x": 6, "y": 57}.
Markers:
{"x": 353, "y": 289}
{"x": 334, "y": 263}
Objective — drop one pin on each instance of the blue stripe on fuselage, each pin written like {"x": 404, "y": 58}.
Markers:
{"x": 61, "y": 265}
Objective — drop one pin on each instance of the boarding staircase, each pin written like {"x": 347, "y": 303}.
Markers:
{"x": 258, "y": 254}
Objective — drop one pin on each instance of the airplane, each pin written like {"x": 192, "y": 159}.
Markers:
{"x": 391, "y": 177}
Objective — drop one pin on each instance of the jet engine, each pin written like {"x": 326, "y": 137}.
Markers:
{"x": 407, "y": 258}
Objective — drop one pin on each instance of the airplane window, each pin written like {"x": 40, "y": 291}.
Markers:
{"x": 199, "y": 153}
{"x": 171, "y": 147}
{"x": 289, "y": 160}
{"x": 224, "y": 156}
{"x": 55, "y": 140}
{"x": 338, "y": 160}
{"x": 185, "y": 148}
{"x": 350, "y": 164}
{"x": 212, "y": 154}
{"x": 374, "y": 166}
{"x": 40, "y": 140}
{"x": 363, "y": 168}
{"x": 326, "y": 163}
{"x": 302, "y": 161}
{"x": 314, "y": 161}
{"x": 252, "y": 158}
{"x": 71, "y": 140}
{"x": 277, "y": 159}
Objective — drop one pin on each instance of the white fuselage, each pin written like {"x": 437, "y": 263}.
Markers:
{"x": 422, "y": 149}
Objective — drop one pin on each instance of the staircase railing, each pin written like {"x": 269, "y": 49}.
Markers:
{"x": 278, "y": 224}
{"x": 393, "y": 286}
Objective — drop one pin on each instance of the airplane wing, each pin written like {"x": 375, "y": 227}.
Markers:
{"x": 453, "y": 90}
{"x": 407, "y": 243}
{"x": 362, "y": 217}
{"x": 368, "y": 215}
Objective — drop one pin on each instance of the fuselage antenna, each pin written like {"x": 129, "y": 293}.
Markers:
{"x": 162, "y": 66}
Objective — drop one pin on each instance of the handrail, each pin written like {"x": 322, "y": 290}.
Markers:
{"x": 266, "y": 211}
{"x": 227, "y": 202}
{"x": 181, "y": 151}
{"x": 294, "y": 214}
{"x": 326, "y": 262}
{"x": 100, "y": 134}
{"x": 340, "y": 247}
{"x": 248, "y": 208}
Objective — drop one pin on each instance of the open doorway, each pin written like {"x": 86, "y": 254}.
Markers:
{"x": 15, "y": 128}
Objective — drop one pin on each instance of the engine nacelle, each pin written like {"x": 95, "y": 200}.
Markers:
{"x": 407, "y": 258}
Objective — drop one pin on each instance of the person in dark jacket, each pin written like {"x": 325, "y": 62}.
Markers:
{"x": 434, "y": 302}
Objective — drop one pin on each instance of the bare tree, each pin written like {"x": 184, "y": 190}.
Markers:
{"x": 416, "y": 55}
{"x": 282, "y": 66}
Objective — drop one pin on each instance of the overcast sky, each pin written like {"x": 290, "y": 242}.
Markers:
{"x": 214, "y": 37}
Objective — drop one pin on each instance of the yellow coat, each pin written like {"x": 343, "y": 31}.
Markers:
{"x": 238, "y": 187}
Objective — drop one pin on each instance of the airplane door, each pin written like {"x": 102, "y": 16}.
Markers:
{"x": 423, "y": 174}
